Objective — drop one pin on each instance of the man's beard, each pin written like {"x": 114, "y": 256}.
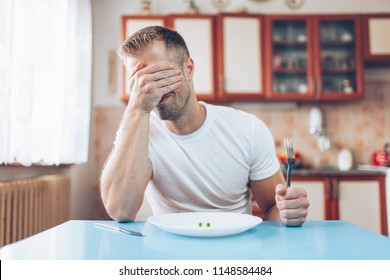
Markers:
{"x": 173, "y": 111}
{"x": 169, "y": 113}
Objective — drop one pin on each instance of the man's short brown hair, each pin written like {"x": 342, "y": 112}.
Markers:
{"x": 175, "y": 45}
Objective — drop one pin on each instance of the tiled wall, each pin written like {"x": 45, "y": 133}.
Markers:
{"x": 363, "y": 125}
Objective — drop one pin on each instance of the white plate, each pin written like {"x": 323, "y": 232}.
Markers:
{"x": 202, "y": 224}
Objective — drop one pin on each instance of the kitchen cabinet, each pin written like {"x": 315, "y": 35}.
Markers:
{"x": 359, "y": 203}
{"x": 360, "y": 200}
{"x": 203, "y": 35}
{"x": 317, "y": 191}
{"x": 131, "y": 24}
{"x": 376, "y": 37}
{"x": 289, "y": 57}
{"x": 339, "y": 67}
{"x": 314, "y": 57}
{"x": 201, "y": 45}
{"x": 240, "y": 57}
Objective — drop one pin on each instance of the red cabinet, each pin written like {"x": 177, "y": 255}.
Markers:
{"x": 358, "y": 199}
{"x": 131, "y": 24}
{"x": 376, "y": 37}
{"x": 199, "y": 33}
{"x": 201, "y": 45}
{"x": 240, "y": 57}
{"x": 314, "y": 57}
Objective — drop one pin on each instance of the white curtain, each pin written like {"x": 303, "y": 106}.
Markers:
{"x": 45, "y": 81}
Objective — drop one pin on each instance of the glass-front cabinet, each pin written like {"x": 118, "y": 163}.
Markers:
{"x": 340, "y": 65}
{"x": 290, "y": 58}
{"x": 314, "y": 57}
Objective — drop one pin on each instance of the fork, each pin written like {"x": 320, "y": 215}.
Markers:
{"x": 290, "y": 158}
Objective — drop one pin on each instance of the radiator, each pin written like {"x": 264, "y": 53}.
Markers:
{"x": 29, "y": 206}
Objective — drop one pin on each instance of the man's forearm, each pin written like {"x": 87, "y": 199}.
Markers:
{"x": 128, "y": 169}
{"x": 272, "y": 214}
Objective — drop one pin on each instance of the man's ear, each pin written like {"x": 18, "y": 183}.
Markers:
{"x": 189, "y": 67}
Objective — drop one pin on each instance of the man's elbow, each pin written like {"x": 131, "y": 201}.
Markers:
{"x": 120, "y": 214}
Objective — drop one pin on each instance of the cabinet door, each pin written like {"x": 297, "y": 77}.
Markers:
{"x": 240, "y": 57}
{"x": 359, "y": 202}
{"x": 131, "y": 24}
{"x": 289, "y": 58}
{"x": 376, "y": 37}
{"x": 339, "y": 63}
{"x": 199, "y": 33}
{"x": 317, "y": 192}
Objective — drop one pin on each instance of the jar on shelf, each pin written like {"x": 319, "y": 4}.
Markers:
{"x": 346, "y": 36}
{"x": 278, "y": 60}
{"x": 347, "y": 86}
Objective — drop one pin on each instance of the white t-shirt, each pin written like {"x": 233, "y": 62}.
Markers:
{"x": 209, "y": 169}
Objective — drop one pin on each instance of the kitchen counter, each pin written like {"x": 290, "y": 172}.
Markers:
{"x": 333, "y": 172}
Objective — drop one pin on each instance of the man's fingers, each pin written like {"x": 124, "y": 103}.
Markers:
{"x": 280, "y": 189}
{"x": 293, "y": 217}
{"x": 301, "y": 202}
{"x": 162, "y": 70}
{"x": 160, "y": 67}
{"x": 167, "y": 82}
{"x": 289, "y": 193}
{"x": 294, "y": 213}
{"x": 292, "y": 204}
{"x": 136, "y": 68}
{"x": 171, "y": 87}
{"x": 160, "y": 79}
{"x": 295, "y": 222}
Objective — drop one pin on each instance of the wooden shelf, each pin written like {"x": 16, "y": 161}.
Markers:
{"x": 290, "y": 71}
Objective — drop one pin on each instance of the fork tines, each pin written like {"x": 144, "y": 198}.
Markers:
{"x": 289, "y": 150}
{"x": 290, "y": 158}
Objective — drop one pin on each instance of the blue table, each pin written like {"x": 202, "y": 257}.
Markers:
{"x": 315, "y": 240}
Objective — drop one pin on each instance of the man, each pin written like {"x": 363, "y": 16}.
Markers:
{"x": 187, "y": 155}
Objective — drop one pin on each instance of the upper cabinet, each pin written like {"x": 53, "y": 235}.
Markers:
{"x": 240, "y": 50}
{"x": 199, "y": 33}
{"x": 290, "y": 57}
{"x": 314, "y": 57}
{"x": 131, "y": 24}
{"x": 201, "y": 44}
{"x": 240, "y": 56}
{"x": 339, "y": 57}
{"x": 376, "y": 37}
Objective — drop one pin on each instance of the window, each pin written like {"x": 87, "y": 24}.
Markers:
{"x": 45, "y": 81}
